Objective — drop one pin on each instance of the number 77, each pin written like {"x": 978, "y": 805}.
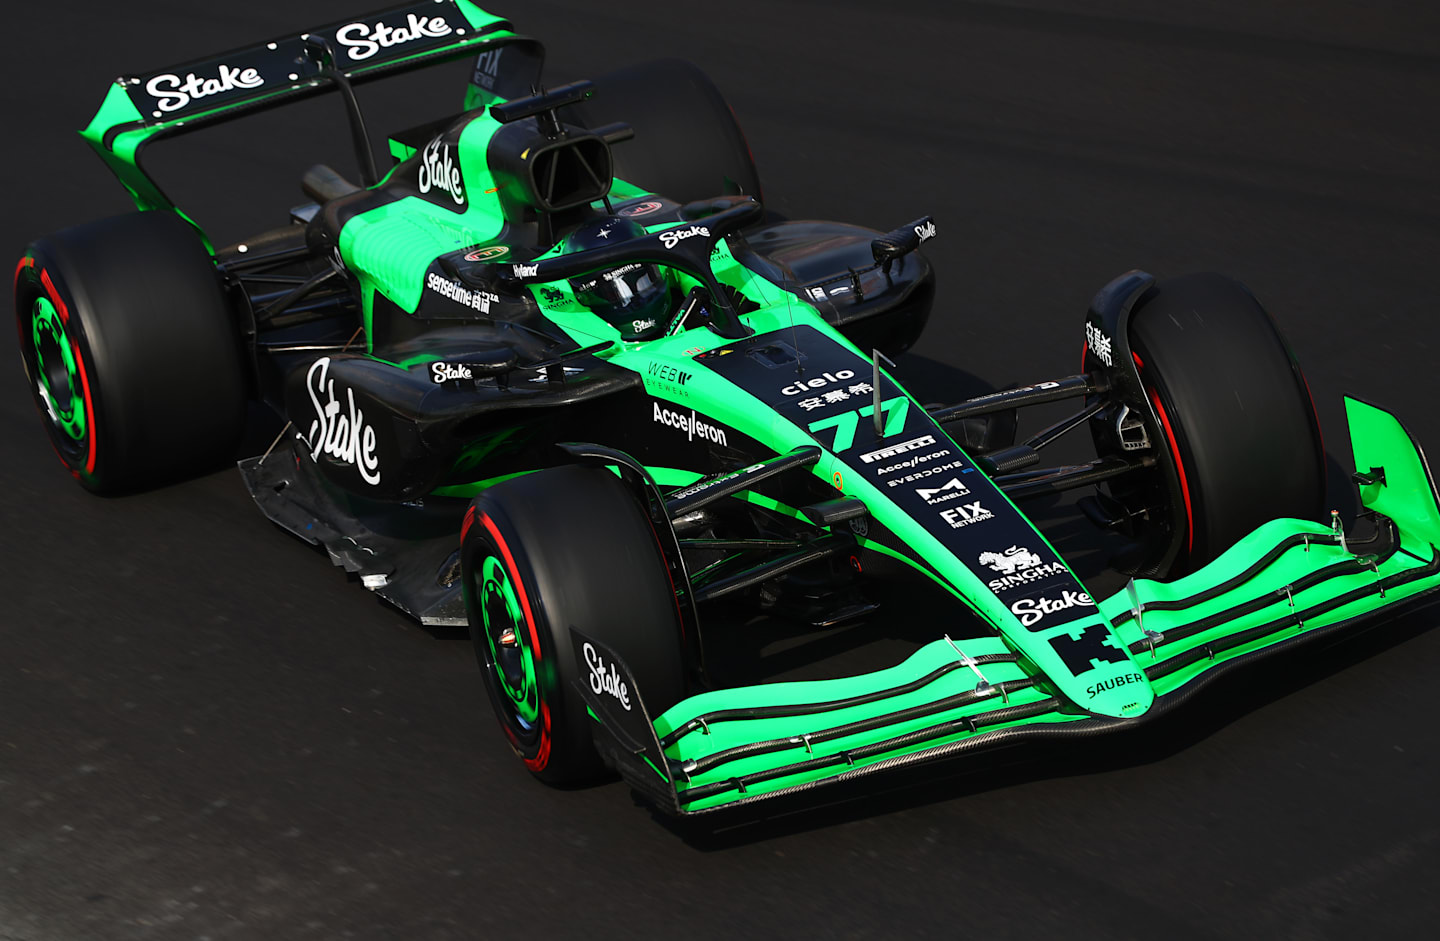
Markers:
{"x": 845, "y": 423}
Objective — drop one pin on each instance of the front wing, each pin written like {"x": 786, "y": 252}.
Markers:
{"x": 1287, "y": 583}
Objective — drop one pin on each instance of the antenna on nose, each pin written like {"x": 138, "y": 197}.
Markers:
{"x": 875, "y": 357}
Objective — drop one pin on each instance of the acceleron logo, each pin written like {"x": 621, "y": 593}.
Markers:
{"x": 692, "y": 425}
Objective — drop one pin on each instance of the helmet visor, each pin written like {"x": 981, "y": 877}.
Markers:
{"x": 633, "y": 297}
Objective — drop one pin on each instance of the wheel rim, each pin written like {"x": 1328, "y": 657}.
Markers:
{"x": 508, "y": 638}
{"x": 57, "y": 374}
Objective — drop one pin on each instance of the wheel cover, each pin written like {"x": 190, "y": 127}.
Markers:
{"x": 57, "y": 374}
{"x": 511, "y": 660}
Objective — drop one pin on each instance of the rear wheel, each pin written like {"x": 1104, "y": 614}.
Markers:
{"x": 687, "y": 145}
{"x": 131, "y": 351}
{"x": 1237, "y": 423}
{"x": 561, "y": 548}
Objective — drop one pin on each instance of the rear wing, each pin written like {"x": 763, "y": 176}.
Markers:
{"x": 147, "y": 106}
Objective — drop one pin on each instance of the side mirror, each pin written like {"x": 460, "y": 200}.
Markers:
{"x": 900, "y": 242}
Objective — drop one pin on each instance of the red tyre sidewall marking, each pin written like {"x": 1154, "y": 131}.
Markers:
{"x": 1179, "y": 468}
{"x": 542, "y": 756}
{"x": 80, "y": 363}
{"x": 675, "y": 595}
{"x": 28, "y": 262}
{"x": 1175, "y": 448}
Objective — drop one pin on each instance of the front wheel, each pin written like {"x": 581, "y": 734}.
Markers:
{"x": 1236, "y": 423}
{"x": 540, "y": 554}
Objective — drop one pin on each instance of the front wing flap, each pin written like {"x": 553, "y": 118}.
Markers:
{"x": 1286, "y": 583}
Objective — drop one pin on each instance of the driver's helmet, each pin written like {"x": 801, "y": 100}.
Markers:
{"x": 635, "y": 299}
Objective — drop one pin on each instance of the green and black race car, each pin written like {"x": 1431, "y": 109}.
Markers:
{"x": 558, "y": 376}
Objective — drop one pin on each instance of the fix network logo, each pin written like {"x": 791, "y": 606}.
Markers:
{"x": 965, "y": 514}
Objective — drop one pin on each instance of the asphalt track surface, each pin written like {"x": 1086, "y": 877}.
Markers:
{"x": 206, "y": 732}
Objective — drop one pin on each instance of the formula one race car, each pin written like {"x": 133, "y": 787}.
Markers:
{"x": 581, "y": 398}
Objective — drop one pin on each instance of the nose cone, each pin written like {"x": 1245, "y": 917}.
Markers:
{"x": 1119, "y": 690}
{"x": 1092, "y": 667}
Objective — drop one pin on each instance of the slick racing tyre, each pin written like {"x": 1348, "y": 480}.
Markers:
{"x": 561, "y": 548}
{"x": 687, "y": 144}
{"x": 1237, "y": 423}
{"x": 131, "y": 351}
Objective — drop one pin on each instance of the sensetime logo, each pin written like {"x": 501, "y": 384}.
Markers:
{"x": 693, "y": 425}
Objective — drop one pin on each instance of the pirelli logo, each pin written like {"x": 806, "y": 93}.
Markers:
{"x": 884, "y": 454}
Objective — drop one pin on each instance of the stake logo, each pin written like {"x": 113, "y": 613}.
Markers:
{"x": 953, "y": 490}
{"x": 439, "y": 171}
{"x": 926, "y": 232}
{"x": 346, "y": 437}
{"x": 693, "y": 426}
{"x": 445, "y": 372}
{"x": 362, "y": 41}
{"x": 173, "y": 93}
{"x": 673, "y": 237}
{"x": 1032, "y": 611}
{"x": 605, "y": 681}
